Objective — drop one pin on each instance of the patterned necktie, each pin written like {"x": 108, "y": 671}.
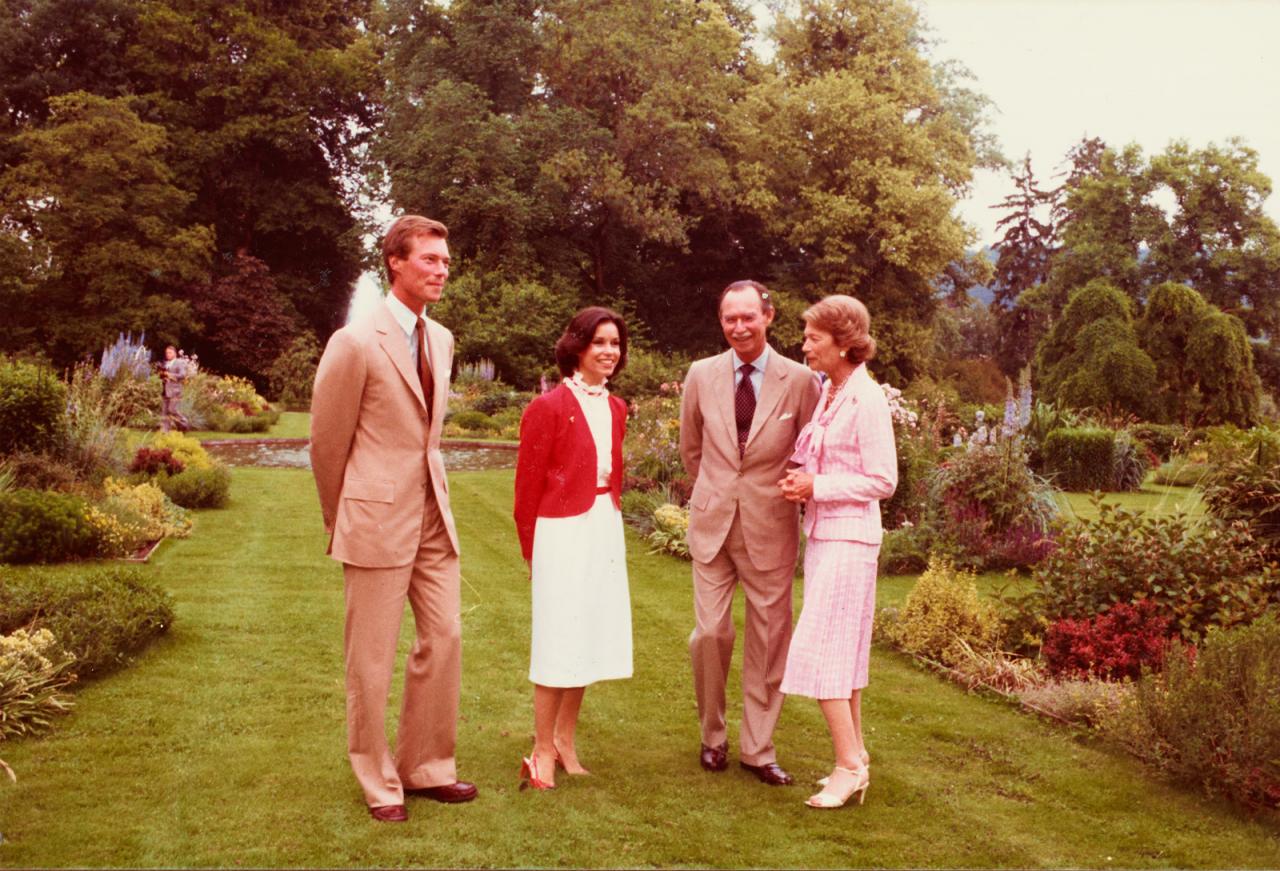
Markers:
{"x": 424, "y": 371}
{"x": 744, "y": 406}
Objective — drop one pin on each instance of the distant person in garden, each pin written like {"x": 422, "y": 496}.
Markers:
{"x": 376, "y": 414}
{"x": 740, "y": 414}
{"x": 173, "y": 373}
{"x": 568, "y": 500}
{"x": 847, "y": 464}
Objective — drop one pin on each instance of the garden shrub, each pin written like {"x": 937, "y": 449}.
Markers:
{"x": 101, "y": 617}
{"x": 1080, "y": 458}
{"x": 1244, "y": 483}
{"x": 237, "y": 419}
{"x": 34, "y": 673}
{"x": 989, "y": 510}
{"x": 918, "y": 427}
{"x": 1181, "y": 471}
{"x": 1197, "y": 575}
{"x": 474, "y": 421}
{"x": 153, "y": 461}
{"x": 1117, "y": 644}
{"x": 40, "y": 526}
{"x": 226, "y": 404}
{"x": 638, "y": 507}
{"x": 133, "y": 514}
{"x": 942, "y": 614}
{"x": 1160, "y": 438}
{"x": 652, "y": 445}
{"x": 196, "y": 487}
{"x": 184, "y": 448}
{"x": 1212, "y": 716}
{"x": 670, "y": 531}
{"x": 41, "y": 471}
{"x": 32, "y": 403}
{"x": 294, "y": 371}
{"x": 905, "y": 550}
{"x": 649, "y": 373}
{"x": 93, "y": 442}
{"x": 1130, "y": 462}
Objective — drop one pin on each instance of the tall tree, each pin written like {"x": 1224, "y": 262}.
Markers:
{"x": 1218, "y": 238}
{"x": 1023, "y": 257}
{"x": 93, "y": 197}
{"x": 272, "y": 103}
{"x": 1202, "y": 357}
{"x": 1091, "y": 359}
{"x": 645, "y": 153}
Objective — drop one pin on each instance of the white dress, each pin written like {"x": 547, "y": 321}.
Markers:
{"x": 581, "y": 601}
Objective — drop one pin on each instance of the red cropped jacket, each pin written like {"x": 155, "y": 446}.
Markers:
{"x": 556, "y": 466}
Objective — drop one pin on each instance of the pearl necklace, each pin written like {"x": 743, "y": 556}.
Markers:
{"x": 578, "y": 382}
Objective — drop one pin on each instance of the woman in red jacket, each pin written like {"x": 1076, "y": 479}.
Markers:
{"x": 568, "y": 515}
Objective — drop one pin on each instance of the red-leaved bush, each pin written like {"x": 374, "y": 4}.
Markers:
{"x": 1112, "y": 645}
{"x": 152, "y": 461}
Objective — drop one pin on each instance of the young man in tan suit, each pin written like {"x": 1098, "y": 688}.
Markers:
{"x": 739, "y": 418}
{"x": 376, "y": 414}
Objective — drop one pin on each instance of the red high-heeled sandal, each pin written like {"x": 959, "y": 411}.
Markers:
{"x": 529, "y": 774}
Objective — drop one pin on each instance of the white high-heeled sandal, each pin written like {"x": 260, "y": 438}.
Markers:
{"x": 857, "y": 782}
{"x": 866, "y": 763}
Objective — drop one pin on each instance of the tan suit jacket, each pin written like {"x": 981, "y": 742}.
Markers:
{"x": 372, "y": 450}
{"x": 724, "y": 483}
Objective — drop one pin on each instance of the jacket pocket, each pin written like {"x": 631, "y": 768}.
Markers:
{"x": 367, "y": 490}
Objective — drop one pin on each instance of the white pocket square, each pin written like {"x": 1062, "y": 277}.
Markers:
{"x": 785, "y": 416}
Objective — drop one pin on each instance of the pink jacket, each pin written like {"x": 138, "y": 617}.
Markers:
{"x": 849, "y": 450}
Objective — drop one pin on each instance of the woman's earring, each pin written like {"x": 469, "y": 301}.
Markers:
{"x": 842, "y": 355}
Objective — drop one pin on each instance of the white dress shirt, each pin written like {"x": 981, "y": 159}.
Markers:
{"x": 407, "y": 321}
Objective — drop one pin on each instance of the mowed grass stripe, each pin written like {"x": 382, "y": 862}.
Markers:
{"x": 225, "y": 744}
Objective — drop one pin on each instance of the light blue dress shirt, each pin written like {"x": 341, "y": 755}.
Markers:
{"x": 757, "y": 373}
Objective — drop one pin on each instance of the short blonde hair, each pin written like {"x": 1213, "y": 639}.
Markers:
{"x": 399, "y": 239}
{"x": 848, "y": 322}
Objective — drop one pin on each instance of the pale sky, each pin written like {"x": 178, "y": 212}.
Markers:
{"x": 1124, "y": 70}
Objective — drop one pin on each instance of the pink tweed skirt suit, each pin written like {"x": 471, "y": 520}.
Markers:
{"x": 848, "y": 447}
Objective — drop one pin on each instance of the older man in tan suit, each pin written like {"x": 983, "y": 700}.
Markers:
{"x": 739, "y": 417}
{"x": 376, "y": 414}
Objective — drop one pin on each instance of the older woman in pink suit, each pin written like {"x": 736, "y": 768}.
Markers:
{"x": 847, "y": 464}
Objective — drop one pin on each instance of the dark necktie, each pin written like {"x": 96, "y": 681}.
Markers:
{"x": 424, "y": 371}
{"x": 744, "y": 406}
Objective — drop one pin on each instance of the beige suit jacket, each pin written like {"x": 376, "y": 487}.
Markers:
{"x": 372, "y": 450}
{"x": 725, "y": 484}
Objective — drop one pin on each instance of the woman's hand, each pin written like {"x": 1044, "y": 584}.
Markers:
{"x": 797, "y": 486}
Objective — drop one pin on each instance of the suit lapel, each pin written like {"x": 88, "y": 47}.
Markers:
{"x": 722, "y": 384}
{"x": 394, "y": 344}
{"x": 771, "y": 389}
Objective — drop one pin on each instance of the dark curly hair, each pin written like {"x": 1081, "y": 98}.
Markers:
{"x": 581, "y": 330}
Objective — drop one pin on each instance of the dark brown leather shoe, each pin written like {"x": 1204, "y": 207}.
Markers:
{"x": 770, "y": 773}
{"x": 715, "y": 758}
{"x": 389, "y": 813}
{"x": 451, "y": 793}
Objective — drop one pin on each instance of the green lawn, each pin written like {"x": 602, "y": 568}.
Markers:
{"x": 224, "y": 745}
{"x": 291, "y": 425}
{"x": 1152, "y": 497}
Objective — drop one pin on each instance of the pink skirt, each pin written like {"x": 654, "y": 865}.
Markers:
{"x": 831, "y": 646}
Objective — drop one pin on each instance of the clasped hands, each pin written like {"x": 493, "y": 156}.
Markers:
{"x": 797, "y": 486}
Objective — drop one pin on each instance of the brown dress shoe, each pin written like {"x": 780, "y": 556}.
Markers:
{"x": 451, "y": 793}
{"x": 389, "y": 813}
{"x": 715, "y": 758}
{"x": 770, "y": 773}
